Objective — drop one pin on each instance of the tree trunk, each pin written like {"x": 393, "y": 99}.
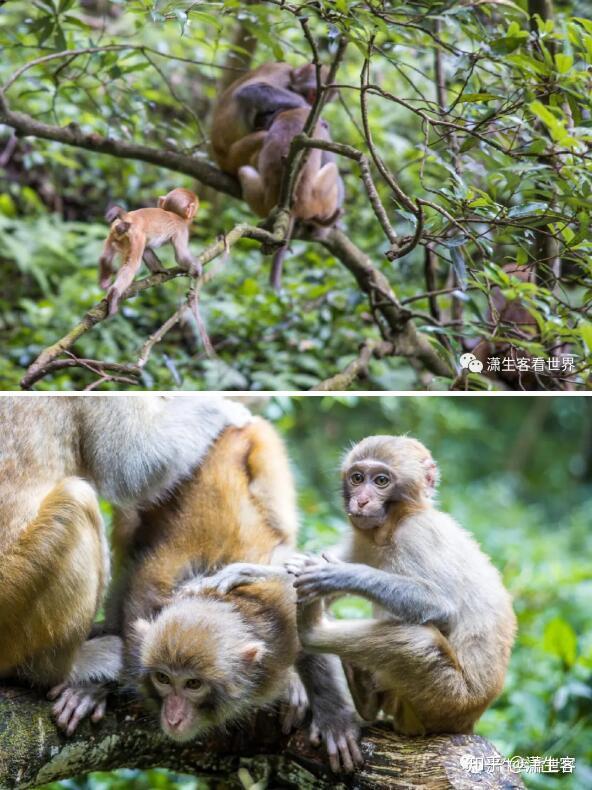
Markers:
{"x": 33, "y": 752}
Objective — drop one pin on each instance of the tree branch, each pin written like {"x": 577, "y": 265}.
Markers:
{"x": 202, "y": 171}
{"x": 33, "y": 752}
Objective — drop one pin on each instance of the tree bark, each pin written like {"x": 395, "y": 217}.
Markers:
{"x": 33, "y": 752}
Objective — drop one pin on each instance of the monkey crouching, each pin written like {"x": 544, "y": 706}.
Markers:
{"x": 435, "y": 654}
{"x": 208, "y": 613}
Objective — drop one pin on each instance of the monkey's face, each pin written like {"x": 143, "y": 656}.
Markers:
{"x": 198, "y": 665}
{"x": 368, "y": 489}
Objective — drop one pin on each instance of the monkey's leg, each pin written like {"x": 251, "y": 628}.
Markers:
{"x": 333, "y": 717}
{"x": 97, "y": 666}
{"x": 362, "y": 687}
{"x": 295, "y": 705}
{"x": 183, "y": 254}
{"x": 126, "y": 274}
{"x": 244, "y": 150}
{"x": 152, "y": 261}
{"x": 106, "y": 263}
{"x": 414, "y": 662}
{"x": 253, "y": 189}
{"x": 52, "y": 580}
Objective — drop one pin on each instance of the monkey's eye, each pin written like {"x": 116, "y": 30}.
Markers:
{"x": 382, "y": 481}
{"x": 162, "y": 678}
{"x": 193, "y": 683}
{"x": 356, "y": 478}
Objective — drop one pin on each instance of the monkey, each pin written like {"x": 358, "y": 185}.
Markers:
{"x": 135, "y": 234}
{"x": 318, "y": 192}
{"x": 510, "y": 318}
{"x": 244, "y": 111}
{"x": 57, "y": 456}
{"x": 202, "y": 649}
{"x": 435, "y": 654}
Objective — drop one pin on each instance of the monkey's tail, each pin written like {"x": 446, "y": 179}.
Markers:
{"x": 275, "y": 277}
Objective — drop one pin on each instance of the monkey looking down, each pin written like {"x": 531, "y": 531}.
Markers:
{"x": 436, "y": 652}
{"x": 201, "y": 646}
{"x": 244, "y": 111}
{"x": 134, "y": 235}
{"x": 57, "y": 455}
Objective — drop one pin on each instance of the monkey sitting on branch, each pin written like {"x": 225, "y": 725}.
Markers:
{"x": 244, "y": 111}
{"x": 318, "y": 191}
{"x": 202, "y": 649}
{"x": 134, "y": 235}
{"x": 436, "y": 652}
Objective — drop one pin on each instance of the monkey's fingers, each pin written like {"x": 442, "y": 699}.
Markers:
{"x": 62, "y": 701}
{"x": 56, "y": 691}
{"x": 343, "y": 746}
{"x": 354, "y": 748}
{"x": 99, "y": 711}
{"x": 326, "y": 555}
{"x": 314, "y": 735}
{"x": 332, "y": 752}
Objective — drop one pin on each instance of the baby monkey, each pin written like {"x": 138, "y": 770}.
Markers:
{"x": 435, "y": 654}
{"x": 136, "y": 234}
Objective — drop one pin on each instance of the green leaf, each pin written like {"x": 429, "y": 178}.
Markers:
{"x": 563, "y": 63}
{"x": 560, "y": 640}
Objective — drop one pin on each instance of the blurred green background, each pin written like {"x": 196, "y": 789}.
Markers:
{"x": 517, "y": 472}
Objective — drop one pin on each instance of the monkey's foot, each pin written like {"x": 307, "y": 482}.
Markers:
{"x": 75, "y": 702}
{"x": 228, "y": 578}
{"x": 295, "y": 705}
{"x": 340, "y": 732}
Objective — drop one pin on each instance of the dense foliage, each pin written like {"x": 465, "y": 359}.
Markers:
{"x": 518, "y": 474}
{"x": 478, "y": 117}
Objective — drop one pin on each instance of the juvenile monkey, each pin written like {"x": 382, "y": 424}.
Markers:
{"x": 135, "y": 234}
{"x": 246, "y": 108}
{"x": 435, "y": 655}
{"x": 318, "y": 192}
{"x": 202, "y": 648}
{"x": 56, "y": 456}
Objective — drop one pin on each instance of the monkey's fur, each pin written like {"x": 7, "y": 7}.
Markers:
{"x": 186, "y": 615}
{"x": 435, "y": 655}
{"x": 56, "y": 455}
{"x": 134, "y": 235}
{"x": 246, "y": 108}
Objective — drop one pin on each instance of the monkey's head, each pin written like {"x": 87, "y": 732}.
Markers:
{"x": 304, "y": 81}
{"x": 382, "y": 470}
{"x": 198, "y": 666}
{"x": 180, "y": 201}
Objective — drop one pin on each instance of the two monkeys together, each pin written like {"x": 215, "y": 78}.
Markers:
{"x": 213, "y": 614}
{"x": 254, "y": 122}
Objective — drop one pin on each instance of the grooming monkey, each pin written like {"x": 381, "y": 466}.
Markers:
{"x": 56, "y": 456}
{"x": 246, "y": 108}
{"x": 135, "y": 234}
{"x": 435, "y": 655}
{"x": 318, "y": 192}
{"x": 203, "y": 649}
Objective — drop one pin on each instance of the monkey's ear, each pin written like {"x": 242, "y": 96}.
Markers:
{"x": 161, "y": 200}
{"x": 141, "y": 627}
{"x": 252, "y": 652}
{"x": 432, "y": 475}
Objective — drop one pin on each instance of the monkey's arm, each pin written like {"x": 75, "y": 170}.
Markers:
{"x": 410, "y": 600}
{"x": 231, "y": 576}
{"x": 97, "y": 666}
{"x": 244, "y": 152}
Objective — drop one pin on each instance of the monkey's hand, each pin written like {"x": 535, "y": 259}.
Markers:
{"x": 76, "y": 701}
{"x": 228, "y": 578}
{"x": 340, "y": 730}
{"x": 295, "y": 704}
{"x": 319, "y": 576}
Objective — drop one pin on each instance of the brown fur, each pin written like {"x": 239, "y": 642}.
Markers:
{"x": 235, "y": 142}
{"x": 240, "y": 506}
{"x": 134, "y": 234}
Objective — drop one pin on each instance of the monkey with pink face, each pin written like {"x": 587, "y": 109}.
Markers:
{"x": 435, "y": 654}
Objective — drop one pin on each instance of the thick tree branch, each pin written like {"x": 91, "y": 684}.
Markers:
{"x": 400, "y": 330}
{"x": 357, "y": 368}
{"x": 202, "y": 171}
{"x": 33, "y": 752}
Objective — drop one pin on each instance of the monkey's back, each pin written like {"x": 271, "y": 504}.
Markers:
{"x": 227, "y": 511}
